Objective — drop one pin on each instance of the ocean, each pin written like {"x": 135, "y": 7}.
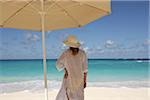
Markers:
{"x": 27, "y": 75}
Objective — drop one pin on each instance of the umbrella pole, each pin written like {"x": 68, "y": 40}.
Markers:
{"x": 44, "y": 58}
{"x": 44, "y": 48}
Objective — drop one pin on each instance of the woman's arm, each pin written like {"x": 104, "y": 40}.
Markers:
{"x": 85, "y": 68}
{"x": 85, "y": 79}
{"x": 60, "y": 62}
{"x": 66, "y": 74}
{"x": 60, "y": 65}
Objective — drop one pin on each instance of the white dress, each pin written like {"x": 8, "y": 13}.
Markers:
{"x": 76, "y": 66}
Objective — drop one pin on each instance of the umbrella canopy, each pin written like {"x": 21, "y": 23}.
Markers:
{"x": 44, "y": 15}
{"x": 59, "y": 14}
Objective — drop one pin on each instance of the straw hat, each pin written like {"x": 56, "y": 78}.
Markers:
{"x": 72, "y": 41}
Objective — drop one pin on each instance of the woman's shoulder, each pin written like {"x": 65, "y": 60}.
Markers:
{"x": 82, "y": 51}
{"x": 66, "y": 51}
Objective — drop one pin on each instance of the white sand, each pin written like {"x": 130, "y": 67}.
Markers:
{"x": 91, "y": 93}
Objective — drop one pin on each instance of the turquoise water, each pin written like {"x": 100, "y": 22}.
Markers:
{"x": 99, "y": 70}
{"x": 112, "y": 73}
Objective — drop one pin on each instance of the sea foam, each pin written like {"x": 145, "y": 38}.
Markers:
{"x": 38, "y": 85}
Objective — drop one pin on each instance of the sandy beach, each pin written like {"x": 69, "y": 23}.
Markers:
{"x": 91, "y": 93}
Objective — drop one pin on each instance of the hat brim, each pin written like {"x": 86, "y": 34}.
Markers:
{"x": 72, "y": 44}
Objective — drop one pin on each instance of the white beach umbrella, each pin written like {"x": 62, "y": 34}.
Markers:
{"x": 44, "y": 15}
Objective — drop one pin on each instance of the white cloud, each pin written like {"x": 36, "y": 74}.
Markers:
{"x": 35, "y": 38}
{"x": 28, "y": 35}
{"x": 63, "y": 46}
{"x": 146, "y": 42}
{"x": 82, "y": 43}
{"x": 93, "y": 51}
{"x": 86, "y": 49}
{"x": 110, "y": 44}
{"x": 30, "y": 41}
{"x": 32, "y": 37}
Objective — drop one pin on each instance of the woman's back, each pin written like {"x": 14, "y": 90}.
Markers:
{"x": 75, "y": 65}
{"x": 74, "y": 61}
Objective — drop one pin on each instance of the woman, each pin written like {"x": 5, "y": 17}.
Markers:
{"x": 74, "y": 63}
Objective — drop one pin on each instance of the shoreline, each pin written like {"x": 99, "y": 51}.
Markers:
{"x": 36, "y": 86}
{"x": 91, "y": 93}
{"x": 121, "y": 59}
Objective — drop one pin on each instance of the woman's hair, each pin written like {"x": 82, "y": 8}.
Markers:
{"x": 74, "y": 50}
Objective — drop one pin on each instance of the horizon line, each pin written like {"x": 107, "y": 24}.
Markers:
{"x": 88, "y": 59}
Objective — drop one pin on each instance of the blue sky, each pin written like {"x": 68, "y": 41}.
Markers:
{"x": 122, "y": 34}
